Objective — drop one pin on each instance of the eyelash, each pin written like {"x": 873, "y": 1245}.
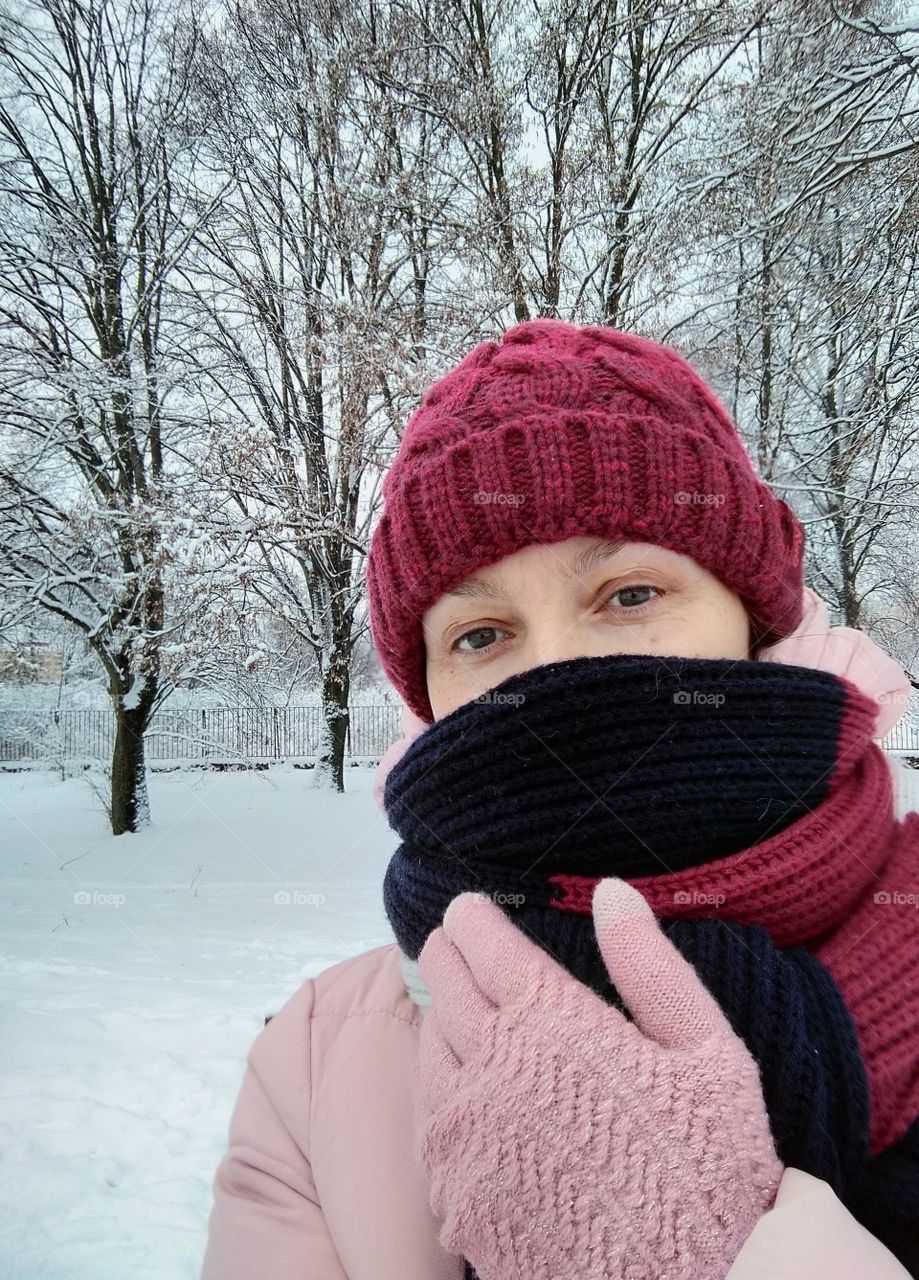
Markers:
{"x": 636, "y": 609}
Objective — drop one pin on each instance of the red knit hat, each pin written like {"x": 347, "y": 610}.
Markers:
{"x": 558, "y": 431}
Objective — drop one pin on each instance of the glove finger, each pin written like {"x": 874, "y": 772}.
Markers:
{"x": 463, "y": 1012}
{"x": 663, "y": 991}
{"x": 505, "y": 965}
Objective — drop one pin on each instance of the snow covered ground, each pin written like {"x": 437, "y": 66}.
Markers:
{"x": 136, "y": 971}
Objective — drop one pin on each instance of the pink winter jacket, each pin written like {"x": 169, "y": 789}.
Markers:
{"x": 320, "y": 1183}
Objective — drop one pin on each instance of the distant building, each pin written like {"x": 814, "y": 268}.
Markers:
{"x": 31, "y": 664}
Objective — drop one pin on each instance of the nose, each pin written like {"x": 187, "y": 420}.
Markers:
{"x": 555, "y": 639}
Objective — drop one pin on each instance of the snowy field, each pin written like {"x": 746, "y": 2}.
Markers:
{"x": 136, "y": 971}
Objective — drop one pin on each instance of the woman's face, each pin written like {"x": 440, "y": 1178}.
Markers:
{"x": 584, "y": 597}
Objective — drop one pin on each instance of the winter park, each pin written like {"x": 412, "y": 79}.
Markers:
{"x": 459, "y": 640}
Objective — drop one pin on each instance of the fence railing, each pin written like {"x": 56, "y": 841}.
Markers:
{"x": 903, "y": 739}
{"x": 244, "y": 735}
{"x": 196, "y": 735}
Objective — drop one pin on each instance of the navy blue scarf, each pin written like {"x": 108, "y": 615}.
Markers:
{"x": 632, "y": 766}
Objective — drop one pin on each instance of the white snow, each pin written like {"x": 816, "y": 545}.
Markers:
{"x": 134, "y": 974}
{"x": 131, "y": 700}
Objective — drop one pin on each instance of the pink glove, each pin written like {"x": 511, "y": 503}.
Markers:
{"x": 562, "y": 1141}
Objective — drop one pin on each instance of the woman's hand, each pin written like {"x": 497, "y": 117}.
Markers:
{"x": 560, "y": 1139}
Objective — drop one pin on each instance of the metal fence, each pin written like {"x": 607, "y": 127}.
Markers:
{"x": 208, "y": 735}
{"x": 225, "y": 735}
{"x": 903, "y": 739}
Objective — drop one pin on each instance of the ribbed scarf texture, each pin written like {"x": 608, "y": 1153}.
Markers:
{"x": 748, "y": 803}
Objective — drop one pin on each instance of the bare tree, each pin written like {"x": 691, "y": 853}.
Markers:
{"x": 91, "y": 229}
{"x": 855, "y": 452}
{"x": 571, "y": 124}
{"x": 315, "y": 309}
{"x": 806, "y": 246}
{"x": 665, "y": 61}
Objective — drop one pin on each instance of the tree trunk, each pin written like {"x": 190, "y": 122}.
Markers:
{"x": 849, "y": 596}
{"x": 130, "y": 808}
{"x": 330, "y": 760}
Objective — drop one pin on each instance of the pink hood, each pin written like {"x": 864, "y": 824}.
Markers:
{"x": 320, "y": 1182}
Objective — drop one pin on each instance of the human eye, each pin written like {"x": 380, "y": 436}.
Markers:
{"x": 478, "y": 638}
{"x": 637, "y": 598}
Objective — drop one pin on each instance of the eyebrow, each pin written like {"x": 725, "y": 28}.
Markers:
{"x": 494, "y": 588}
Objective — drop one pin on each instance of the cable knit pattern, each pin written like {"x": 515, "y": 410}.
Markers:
{"x": 565, "y": 1143}
{"x": 558, "y": 431}
{"x": 592, "y": 767}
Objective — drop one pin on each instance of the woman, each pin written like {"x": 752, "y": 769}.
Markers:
{"x": 579, "y": 586}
